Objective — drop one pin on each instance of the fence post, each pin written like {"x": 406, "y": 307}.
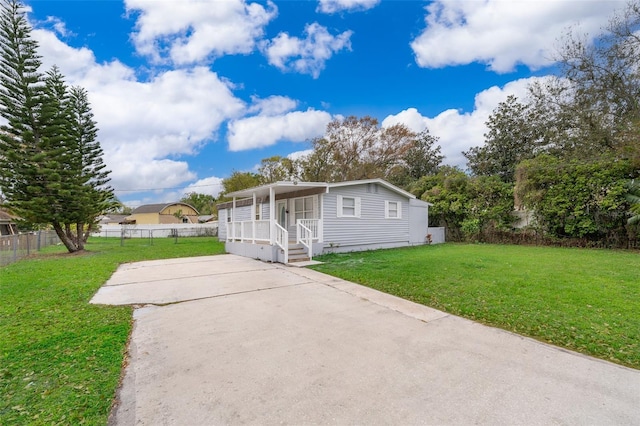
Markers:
{"x": 16, "y": 241}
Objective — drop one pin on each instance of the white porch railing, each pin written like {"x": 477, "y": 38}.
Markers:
{"x": 304, "y": 236}
{"x": 308, "y": 231}
{"x": 248, "y": 230}
{"x": 282, "y": 240}
{"x": 314, "y": 226}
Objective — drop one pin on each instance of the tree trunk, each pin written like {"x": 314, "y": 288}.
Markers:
{"x": 80, "y": 236}
{"x": 68, "y": 242}
{"x": 90, "y": 228}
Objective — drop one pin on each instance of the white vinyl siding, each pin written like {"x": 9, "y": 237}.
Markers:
{"x": 392, "y": 209}
{"x": 349, "y": 206}
{"x": 371, "y": 229}
{"x": 265, "y": 210}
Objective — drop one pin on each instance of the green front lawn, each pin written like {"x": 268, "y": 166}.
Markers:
{"x": 60, "y": 357}
{"x": 585, "y": 300}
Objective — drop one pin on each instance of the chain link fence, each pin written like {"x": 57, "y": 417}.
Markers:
{"x": 15, "y": 247}
{"x": 157, "y": 231}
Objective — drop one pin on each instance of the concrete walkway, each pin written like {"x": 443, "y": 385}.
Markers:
{"x": 230, "y": 340}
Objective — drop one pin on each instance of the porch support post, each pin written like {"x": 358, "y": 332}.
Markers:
{"x": 272, "y": 216}
{"x": 233, "y": 218}
{"x": 253, "y": 220}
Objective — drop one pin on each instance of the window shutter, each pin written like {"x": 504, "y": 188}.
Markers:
{"x": 386, "y": 209}
{"x": 358, "y": 208}
{"x": 399, "y": 204}
{"x": 339, "y": 206}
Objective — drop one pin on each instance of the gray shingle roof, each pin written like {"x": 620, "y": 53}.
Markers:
{"x": 151, "y": 208}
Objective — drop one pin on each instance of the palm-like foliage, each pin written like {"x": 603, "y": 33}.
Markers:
{"x": 633, "y": 197}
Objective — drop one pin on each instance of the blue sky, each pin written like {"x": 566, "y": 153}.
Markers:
{"x": 185, "y": 92}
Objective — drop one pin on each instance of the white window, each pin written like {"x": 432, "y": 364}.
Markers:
{"x": 258, "y": 211}
{"x": 392, "y": 210}
{"x": 303, "y": 208}
{"x": 348, "y": 206}
{"x": 229, "y": 215}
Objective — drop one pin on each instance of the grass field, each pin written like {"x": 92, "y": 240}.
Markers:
{"x": 60, "y": 357}
{"x": 584, "y": 300}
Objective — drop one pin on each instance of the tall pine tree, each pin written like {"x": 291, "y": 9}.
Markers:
{"x": 51, "y": 169}
{"x": 91, "y": 175}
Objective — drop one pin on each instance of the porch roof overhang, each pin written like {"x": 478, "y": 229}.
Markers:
{"x": 277, "y": 188}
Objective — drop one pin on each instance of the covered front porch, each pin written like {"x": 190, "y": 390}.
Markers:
{"x": 280, "y": 222}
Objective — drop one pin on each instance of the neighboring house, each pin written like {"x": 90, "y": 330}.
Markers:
{"x": 287, "y": 221}
{"x": 112, "y": 219}
{"x": 207, "y": 218}
{"x": 7, "y": 224}
{"x": 166, "y": 213}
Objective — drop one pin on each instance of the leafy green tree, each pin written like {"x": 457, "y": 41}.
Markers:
{"x": 277, "y": 168}
{"x": 469, "y": 207}
{"x": 447, "y": 191}
{"x": 423, "y": 157}
{"x": 356, "y": 148}
{"x": 575, "y": 198}
{"x": 511, "y": 139}
{"x": 204, "y": 203}
{"x": 490, "y": 206}
{"x": 594, "y": 102}
{"x": 238, "y": 181}
{"x": 51, "y": 170}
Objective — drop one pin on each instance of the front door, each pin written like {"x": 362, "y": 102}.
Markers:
{"x": 281, "y": 206}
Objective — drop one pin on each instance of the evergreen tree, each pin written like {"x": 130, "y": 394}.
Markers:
{"x": 51, "y": 168}
{"x": 93, "y": 177}
{"x": 23, "y": 180}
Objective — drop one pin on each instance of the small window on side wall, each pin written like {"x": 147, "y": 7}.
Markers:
{"x": 348, "y": 206}
{"x": 393, "y": 210}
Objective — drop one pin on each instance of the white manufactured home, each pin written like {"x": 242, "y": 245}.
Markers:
{"x": 289, "y": 221}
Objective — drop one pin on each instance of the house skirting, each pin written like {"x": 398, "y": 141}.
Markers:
{"x": 264, "y": 252}
{"x": 269, "y": 253}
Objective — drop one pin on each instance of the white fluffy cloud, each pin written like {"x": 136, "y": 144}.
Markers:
{"x": 503, "y": 33}
{"x": 305, "y": 55}
{"x": 333, "y": 6}
{"x": 272, "y": 105}
{"x": 458, "y": 131}
{"x": 189, "y": 31}
{"x": 265, "y": 129}
{"x": 145, "y": 125}
{"x": 275, "y": 121}
{"x": 211, "y": 186}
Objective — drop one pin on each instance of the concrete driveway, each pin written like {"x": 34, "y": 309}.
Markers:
{"x": 229, "y": 340}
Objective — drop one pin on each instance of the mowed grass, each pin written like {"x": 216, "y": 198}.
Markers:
{"x": 584, "y": 300}
{"x": 60, "y": 357}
